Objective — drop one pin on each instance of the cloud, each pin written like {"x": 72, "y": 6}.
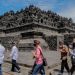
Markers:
{"x": 69, "y": 12}
{"x": 46, "y": 4}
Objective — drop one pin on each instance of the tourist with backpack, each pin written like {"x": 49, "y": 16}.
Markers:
{"x": 37, "y": 54}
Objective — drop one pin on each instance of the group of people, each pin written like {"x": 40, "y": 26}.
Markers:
{"x": 65, "y": 52}
{"x": 13, "y": 55}
{"x": 38, "y": 56}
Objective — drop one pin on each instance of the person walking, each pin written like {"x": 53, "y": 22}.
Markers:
{"x": 72, "y": 53}
{"x": 38, "y": 68}
{"x": 2, "y": 50}
{"x": 14, "y": 57}
{"x": 64, "y": 52}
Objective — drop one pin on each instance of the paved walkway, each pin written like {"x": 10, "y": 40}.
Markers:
{"x": 56, "y": 70}
{"x": 26, "y": 58}
{"x": 7, "y": 68}
{"x": 24, "y": 70}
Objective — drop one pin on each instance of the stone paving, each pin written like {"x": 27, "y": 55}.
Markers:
{"x": 26, "y": 58}
{"x": 56, "y": 70}
{"x": 7, "y": 68}
{"x": 24, "y": 70}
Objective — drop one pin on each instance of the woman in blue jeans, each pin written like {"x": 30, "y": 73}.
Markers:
{"x": 39, "y": 68}
{"x": 38, "y": 59}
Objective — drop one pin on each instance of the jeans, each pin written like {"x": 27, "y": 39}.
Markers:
{"x": 14, "y": 66}
{"x": 1, "y": 69}
{"x": 39, "y": 68}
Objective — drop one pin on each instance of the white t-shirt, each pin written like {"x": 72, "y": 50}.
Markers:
{"x": 2, "y": 50}
{"x": 14, "y": 53}
{"x": 72, "y": 52}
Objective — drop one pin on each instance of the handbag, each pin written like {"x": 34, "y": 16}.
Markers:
{"x": 44, "y": 62}
{"x": 44, "y": 59}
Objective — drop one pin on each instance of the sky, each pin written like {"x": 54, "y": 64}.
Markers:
{"x": 65, "y": 8}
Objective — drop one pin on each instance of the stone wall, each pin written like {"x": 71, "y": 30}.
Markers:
{"x": 53, "y": 41}
{"x": 47, "y": 41}
{"x": 68, "y": 38}
{"x": 7, "y": 41}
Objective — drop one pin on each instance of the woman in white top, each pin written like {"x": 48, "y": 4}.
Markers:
{"x": 2, "y": 50}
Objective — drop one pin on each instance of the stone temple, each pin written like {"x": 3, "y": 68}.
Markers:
{"x": 33, "y": 23}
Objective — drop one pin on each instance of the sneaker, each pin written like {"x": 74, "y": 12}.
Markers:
{"x": 19, "y": 71}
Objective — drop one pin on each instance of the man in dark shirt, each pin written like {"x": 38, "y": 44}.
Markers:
{"x": 64, "y": 51}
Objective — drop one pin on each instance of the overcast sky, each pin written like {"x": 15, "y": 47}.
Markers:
{"x": 64, "y": 8}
